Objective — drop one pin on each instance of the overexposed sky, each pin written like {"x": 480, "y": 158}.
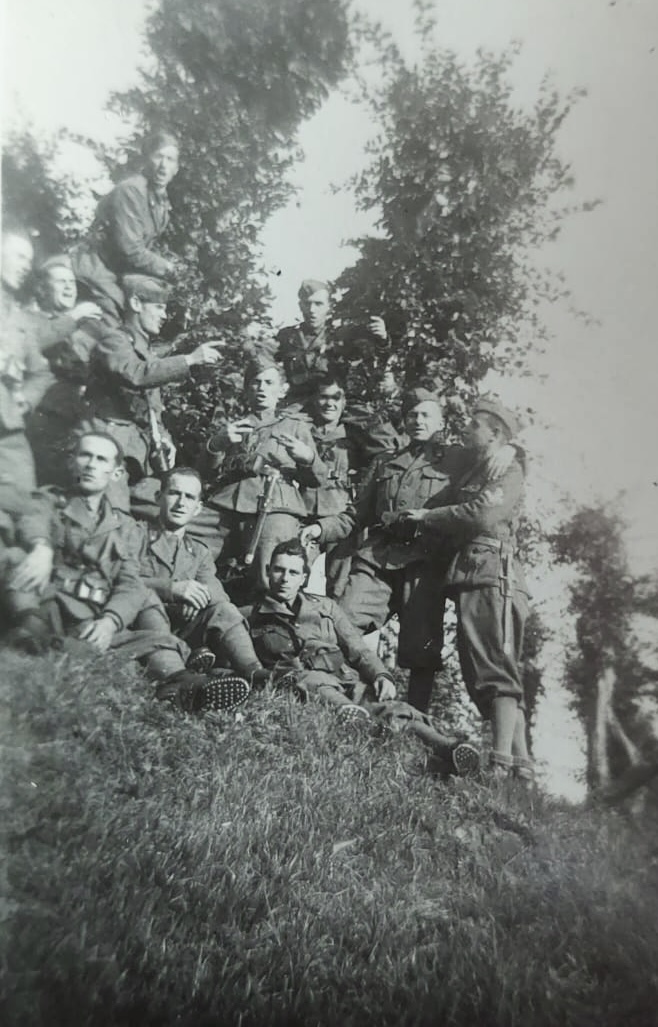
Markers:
{"x": 598, "y": 399}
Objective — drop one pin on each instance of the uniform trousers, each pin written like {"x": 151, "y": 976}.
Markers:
{"x": 490, "y": 643}
{"x": 415, "y": 593}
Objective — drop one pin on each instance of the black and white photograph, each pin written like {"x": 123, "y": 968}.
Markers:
{"x": 329, "y": 513}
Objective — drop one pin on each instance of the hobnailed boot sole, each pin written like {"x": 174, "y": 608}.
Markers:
{"x": 465, "y": 759}
{"x": 222, "y": 694}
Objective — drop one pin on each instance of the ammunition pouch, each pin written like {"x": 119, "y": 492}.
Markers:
{"x": 86, "y": 586}
{"x": 327, "y": 658}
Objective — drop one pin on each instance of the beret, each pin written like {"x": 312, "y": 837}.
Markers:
{"x": 310, "y": 286}
{"x": 496, "y": 409}
{"x": 57, "y": 260}
{"x": 150, "y": 290}
{"x": 412, "y": 397}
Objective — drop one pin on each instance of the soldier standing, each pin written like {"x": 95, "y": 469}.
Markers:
{"x": 24, "y": 373}
{"x": 129, "y": 222}
{"x": 264, "y": 460}
{"x": 123, "y": 393}
{"x": 476, "y": 521}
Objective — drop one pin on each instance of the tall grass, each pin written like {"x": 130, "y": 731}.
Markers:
{"x": 282, "y": 868}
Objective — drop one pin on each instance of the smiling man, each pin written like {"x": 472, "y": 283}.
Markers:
{"x": 181, "y": 571}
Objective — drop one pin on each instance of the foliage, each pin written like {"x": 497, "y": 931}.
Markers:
{"x": 233, "y": 79}
{"x": 287, "y": 869}
{"x": 604, "y": 598}
{"x": 465, "y": 187}
{"x": 34, "y": 194}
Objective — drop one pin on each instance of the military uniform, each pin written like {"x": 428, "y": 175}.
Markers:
{"x": 477, "y": 524}
{"x": 124, "y": 387}
{"x": 128, "y": 223}
{"x": 241, "y": 480}
{"x": 164, "y": 558}
{"x": 315, "y": 638}
{"x": 50, "y": 428}
{"x": 24, "y": 379}
{"x": 95, "y": 574}
{"x": 331, "y": 506}
{"x": 392, "y": 573}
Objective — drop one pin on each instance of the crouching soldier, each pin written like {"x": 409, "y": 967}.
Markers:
{"x": 310, "y": 637}
{"x": 264, "y": 460}
{"x": 84, "y": 582}
{"x": 476, "y": 520}
{"x": 181, "y": 571}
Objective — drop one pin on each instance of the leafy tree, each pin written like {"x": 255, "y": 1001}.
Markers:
{"x": 34, "y": 195}
{"x": 604, "y": 671}
{"x": 465, "y": 187}
{"x": 233, "y": 79}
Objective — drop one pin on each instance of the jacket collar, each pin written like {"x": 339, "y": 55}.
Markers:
{"x": 76, "y": 510}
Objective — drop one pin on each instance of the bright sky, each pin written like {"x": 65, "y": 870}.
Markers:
{"x": 598, "y": 397}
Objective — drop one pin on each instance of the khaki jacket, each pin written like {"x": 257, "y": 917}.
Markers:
{"x": 24, "y": 373}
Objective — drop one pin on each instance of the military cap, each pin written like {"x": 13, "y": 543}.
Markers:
{"x": 56, "y": 260}
{"x": 501, "y": 413}
{"x": 310, "y": 286}
{"x": 412, "y": 397}
{"x": 150, "y": 290}
{"x": 260, "y": 360}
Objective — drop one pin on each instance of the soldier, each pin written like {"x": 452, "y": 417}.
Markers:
{"x": 330, "y": 507}
{"x": 24, "y": 373}
{"x": 129, "y": 222}
{"x": 476, "y": 520}
{"x": 181, "y": 571}
{"x": 393, "y": 570}
{"x": 269, "y": 452}
{"x": 83, "y": 582}
{"x": 123, "y": 391}
{"x": 68, "y": 335}
{"x": 311, "y": 638}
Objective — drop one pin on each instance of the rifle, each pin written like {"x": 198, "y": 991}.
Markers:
{"x": 271, "y": 476}
{"x": 160, "y": 459}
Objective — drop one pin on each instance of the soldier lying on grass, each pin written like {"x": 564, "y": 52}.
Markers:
{"x": 80, "y": 586}
{"x": 309, "y": 636}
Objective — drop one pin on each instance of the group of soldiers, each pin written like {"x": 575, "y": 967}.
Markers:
{"x": 403, "y": 520}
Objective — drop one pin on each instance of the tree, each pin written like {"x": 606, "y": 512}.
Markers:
{"x": 465, "y": 187}
{"x": 233, "y": 79}
{"x": 604, "y": 672}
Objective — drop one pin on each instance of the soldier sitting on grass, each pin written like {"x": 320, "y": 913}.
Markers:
{"x": 245, "y": 451}
{"x": 81, "y": 587}
{"x": 181, "y": 571}
{"x": 311, "y": 638}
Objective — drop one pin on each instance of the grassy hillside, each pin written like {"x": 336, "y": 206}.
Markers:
{"x": 284, "y": 869}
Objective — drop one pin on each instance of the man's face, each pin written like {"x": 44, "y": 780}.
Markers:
{"x": 423, "y": 420}
{"x": 17, "y": 256}
{"x": 161, "y": 166}
{"x": 329, "y": 404}
{"x": 180, "y": 501}
{"x": 286, "y": 577}
{"x": 151, "y": 316}
{"x": 315, "y": 308}
{"x": 265, "y": 390}
{"x": 480, "y": 436}
{"x": 95, "y": 464}
{"x": 61, "y": 289}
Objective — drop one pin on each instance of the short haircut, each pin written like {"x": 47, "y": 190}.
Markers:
{"x": 496, "y": 425}
{"x": 291, "y": 547}
{"x": 183, "y": 472}
{"x": 93, "y": 434}
{"x": 325, "y": 381}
